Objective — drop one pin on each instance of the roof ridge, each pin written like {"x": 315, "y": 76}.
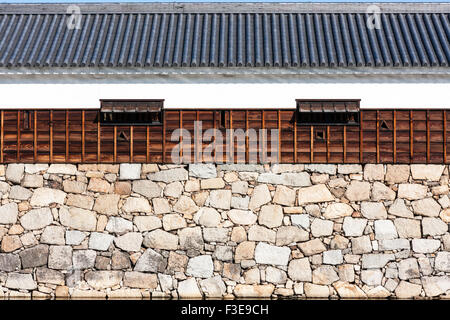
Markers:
{"x": 226, "y": 7}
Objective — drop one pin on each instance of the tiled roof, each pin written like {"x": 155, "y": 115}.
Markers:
{"x": 214, "y": 35}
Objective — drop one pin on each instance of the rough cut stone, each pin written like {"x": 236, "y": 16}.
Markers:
{"x": 348, "y": 291}
{"x": 220, "y": 199}
{"x": 43, "y": 197}
{"x": 382, "y": 192}
{"x": 168, "y": 176}
{"x": 284, "y": 196}
{"x": 385, "y": 229}
{"x": 107, "y": 204}
{"x": 314, "y": 194}
{"x": 322, "y": 168}
{"x": 100, "y": 241}
{"x": 407, "y": 290}
{"x": 371, "y": 277}
{"x": 99, "y": 185}
{"x": 35, "y": 167}
{"x": 291, "y": 179}
{"x": 189, "y": 289}
{"x": 376, "y": 261}
{"x": 312, "y": 247}
{"x": 74, "y": 237}
{"x": 151, "y": 261}
{"x": 53, "y": 235}
{"x": 200, "y": 267}
{"x": 393, "y": 244}
{"x": 287, "y": 235}
{"x": 80, "y": 201}
{"x": 133, "y": 204}
{"x": 271, "y": 216}
{"x": 78, "y": 219}
{"x": 349, "y": 168}
{"x": 358, "y": 191}
{"x": 408, "y": 228}
{"x": 429, "y": 172}
{"x": 207, "y": 217}
{"x": 373, "y": 210}
{"x": 426, "y": 207}
{"x": 20, "y": 281}
{"x": 260, "y": 233}
{"x": 254, "y": 291}
{"x": 160, "y": 239}
{"x": 10, "y": 243}
{"x": 273, "y": 255}
{"x": 173, "y": 221}
{"x": 425, "y": 245}
{"x": 324, "y": 275}
{"x": 320, "y": 227}
{"x": 73, "y": 186}
{"x": 373, "y": 172}
{"x": 397, "y": 173}
{"x": 300, "y": 270}
{"x": 354, "y": 227}
{"x": 316, "y": 291}
{"x": 33, "y": 181}
{"x": 66, "y": 169}
{"x": 45, "y": 275}
{"x": 37, "y": 219}
{"x": 412, "y": 191}
{"x": 140, "y": 280}
{"x": 241, "y": 217}
{"x": 19, "y": 193}
{"x": 399, "y": 209}
{"x": 213, "y": 183}
{"x": 433, "y": 226}
{"x": 202, "y": 170}
{"x": 130, "y": 241}
{"x": 34, "y": 257}
{"x": 333, "y": 257}
{"x": 83, "y": 259}
{"x": 103, "y": 279}
{"x": 213, "y": 287}
{"x": 445, "y": 215}
{"x": 191, "y": 238}
{"x": 161, "y": 205}
{"x": 14, "y": 172}
{"x": 361, "y": 245}
{"x": 130, "y": 171}
{"x": 119, "y": 225}
{"x": 9, "y": 262}
{"x": 408, "y": 269}
{"x": 442, "y": 261}
{"x": 9, "y": 213}
{"x": 147, "y": 188}
{"x": 337, "y": 210}
{"x": 60, "y": 257}
{"x": 174, "y": 189}
{"x": 435, "y": 286}
{"x": 260, "y": 196}
{"x": 240, "y": 187}
{"x": 215, "y": 234}
{"x": 301, "y": 220}
{"x": 147, "y": 223}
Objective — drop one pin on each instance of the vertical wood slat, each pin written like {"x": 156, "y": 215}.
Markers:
{"x": 246, "y": 137}
{"x": 83, "y": 135}
{"x": 18, "y": 135}
{"x": 164, "y": 137}
{"x": 263, "y": 153}
{"x": 279, "y": 136}
{"x": 411, "y": 136}
{"x": 328, "y": 143}
{"x": 361, "y": 137}
{"x": 131, "y": 143}
{"x": 378, "y": 136}
{"x": 2, "y": 135}
{"x": 445, "y": 135}
{"x": 115, "y": 145}
{"x": 311, "y": 138}
{"x": 345, "y": 144}
{"x": 35, "y": 144}
{"x": 147, "y": 144}
{"x": 67, "y": 136}
{"x": 98, "y": 137}
{"x": 197, "y": 140}
{"x": 428, "y": 135}
{"x": 394, "y": 142}
{"x": 231, "y": 143}
{"x": 51, "y": 135}
{"x": 295, "y": 142}
{"x": 181, "y": 135}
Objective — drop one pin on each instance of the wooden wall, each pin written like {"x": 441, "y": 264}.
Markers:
{"x": 74, "y": 136}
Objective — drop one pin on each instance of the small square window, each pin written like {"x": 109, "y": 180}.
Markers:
{"x": 131, "y": 112}
{"x": 328, "y": 112}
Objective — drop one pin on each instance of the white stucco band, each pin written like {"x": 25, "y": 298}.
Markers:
{"x": 224, "y": 91}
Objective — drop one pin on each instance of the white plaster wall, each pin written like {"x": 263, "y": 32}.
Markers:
{"x": 225, "y": 91}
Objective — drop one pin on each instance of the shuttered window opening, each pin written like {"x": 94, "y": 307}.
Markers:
{"x": 131, "y": 112}
{"x": 328, "y": 112}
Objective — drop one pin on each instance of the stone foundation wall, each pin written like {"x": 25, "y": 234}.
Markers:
{"x": 202, "y": 230}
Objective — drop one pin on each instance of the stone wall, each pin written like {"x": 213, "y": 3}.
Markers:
{"x": 133, "y": 230}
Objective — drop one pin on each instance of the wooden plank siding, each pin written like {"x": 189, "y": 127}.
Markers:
{"x": 76, "y": 136}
